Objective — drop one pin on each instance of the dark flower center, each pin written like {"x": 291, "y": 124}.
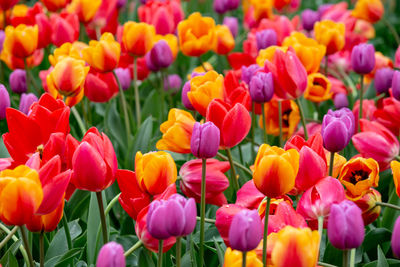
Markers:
{"x": 285, "y": 118}
{"x": 359, "y": 175}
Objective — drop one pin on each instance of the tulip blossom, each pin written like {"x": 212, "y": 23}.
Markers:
{"x": 124, "y": 77}
{"x": 18, "y": 81}
{"x": 15, "y": 41}
{"x": 248, "y": 196}
{"x": 26, "y": 101}
{"x": 367, "y": 204}
{"x": 266, "y": 38}
{"x": 138, "y": 38}
{"x": 65, "y": 28}
{"x": 340, "y": 101}
{"x": 54, "y": 5}
{"x": 318, "y": 89}
{"x": 245, "y": 232}
{"x": 224, "y": 217}
{"x": 205, "y": 140}
{"x": 387, "y": 114}
{"x": 233, "y": 25}
{"x": 73, "y": 50}
{"x": 225, "y": 41}
{"x": 4, "y": 101}
{"x": 369, "y": 10}
{"x": 284, "y": 215}
{"x": 396, "y": 84}
{"x": 261, "y": 87}
{"x": 309, "y": 18}
{"x": 383, "y": 80}
{"x": 233, "y": 258}
{"x": 100, "y": 87}
{"x": 172, "y": 83}
{"x": 85, "y": 9}
{"x": 363, "y": 58}
{"x": 395, "y": 165}
{"x": 330, "y": 34}
{"x": 159, "y": 57}
{"x": 111, "y": 255}
{"x": 395, "y": 238}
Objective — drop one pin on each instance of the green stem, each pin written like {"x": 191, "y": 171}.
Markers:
{"x": 392, "y": 30}
{"x": 202, "y": 209}
{"x": 320, "y": 263}
{"x": 253, "y": 123}
{"x": 264, "y": 255}
{"x": 124, "y": 108}
{"x": 352, "y": 257}
{"x": 331, "y": 163}
{"x": 67, "y": 232}
{"x": 320, "y": 229}
{"x": 264, "y": 123}
{"x": 361, "y": 102}
{"x": 345, "y": 258}
{"x": 303, "y": 118}
{"x": 178, "y": 252}
{"x": 207, "y": 220}
{"x": 9, "y": 235}
{"x": 133, "y": 248}
{"x": 78, "y": 120}
{"x": 102, "y": 216}
{"x": 280, "y": 122}
{"x": 237, "y": 164}
{"x": 137, "y": 100}
{"x": 234, "y": 180}
{"x": 41, "y": 245}
{"x": 15, "y": 239}
{"x": 111, "y": 204}
{"x": 26, "y": 245}
{"x": 160, "y": 252}
{"x": 387, "y": 205}
{"x": 202, "y": 64}
{"x": 244, "y": 253}
{"x": 27, "y": 75}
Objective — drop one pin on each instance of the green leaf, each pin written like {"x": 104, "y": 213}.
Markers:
{"x": 150, "y": 108}
{"x": 145, "y": 258}
{"x": 333, "y": 255}
{"x": 389, "y": 215}
{"x": 380, "y": 234}
{"x": 141, "y": 141}
{"x": 382, "y": 262}
{"x": 220, "y": 252}
{"x": 93, "y": 225}
{"x": 114, "y": 124}
{"x": 9, "y": 259}
{"x": 3, "y": 150}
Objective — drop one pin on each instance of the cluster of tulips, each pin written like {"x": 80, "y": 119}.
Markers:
{"x": 121, "y": 119}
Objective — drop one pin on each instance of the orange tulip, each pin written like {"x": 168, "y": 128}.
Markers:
{"x": 20, "y": 195}
{"x": 295, "y": 247}
{"x": 262, "y": 9}
{"x": 225, "y": 41}
{"x": 171, "y": 40}
{"x": 138, "y": 38}
{"x": 275, "y": 170}
{"x": 177, "y": 132}
{"x": 103, "y": 55}
{"x": 233, "y": 258}
{"x": 85, "y": 9}
{"x": 73, "y": 50}
{"x": 67, "y": 79}
{"x": 290, "y": 117}
{"x": 196, "y": 35}
{"x": 268, "y": 54}
{"x": 369, "y": 10}
{"x": 318, "y": 88}
{"x": 395, "y": 165}
{"x": 21, "y": 41}
{"x": 155, "y": 171}
{"x": 358, "y": 175}
{"x": 307, "y": 50}
{"x": 338, "y": 163}
{"x": 367, "y": 204}
{"x": 203, "y": 89}
{"x": 330, "y": 34}
{"x": 48, "y": 222}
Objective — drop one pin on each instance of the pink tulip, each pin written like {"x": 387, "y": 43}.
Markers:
{"x": 224, "y": 217}
{"x": 284, "y": 215}
{"x": 248, "y": 196}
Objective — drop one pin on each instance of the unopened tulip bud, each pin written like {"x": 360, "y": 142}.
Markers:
{"x": 18, "y": 81}
{"x": 248, "y": 72}
{"x": 396, "y": 85}
{"x": 26, "y": 101}
{"x": 172, "y": 83}
{"x": 262, "y": 87}
{"x": 111, "y": 255}
{"x": 160, "y": 56}
{"x": 181, "y": 219}
{"x": 340, "y": 100}
{"x": 221, "y": 6}
{"x": 124, "y": 77}
{"x": 266, "y": 38}
{"x": 205, "y": 140}
{"x": 4, "y": 101}
{"x": 383, "y": 80}
{"x": 232, "y": 23}
{"x": 308, "y": 19}
{"x": 363, "y": 58}
{"x": 156, "y": 223}
{"x": 185, "y": 99}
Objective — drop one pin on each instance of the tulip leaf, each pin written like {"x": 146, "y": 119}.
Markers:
{"x": 333, "y": 255}
{"x": 220, "y": 252}
{"x": 145, "y": 258}
{"x": 93, "y": 223}
{"x": 78, "y": 204}
{"x": 9, "y": 259}
{"x": 3, "y": 150}
{"x": 114, "y": 124}
{"x": 143, "y": 137}
{"x": 150, "y": 108}
{"x": 382, "y": 262}
{"x": 64, "y": 259}
{"x": 391, "y": 262}
{"x": 389, "y": 215}
{"x": 381, "y": 234}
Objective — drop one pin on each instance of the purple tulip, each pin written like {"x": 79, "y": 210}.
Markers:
{"x": 337, "y": 129}
{"x": 205, "y": 140}
{"x": 396, "y": 238}
{"x": 383, "y": 80}
{"x": 266, "y": 38}
{"x": 363, "y": 58}
{"x": 345, "y": 225}
{"x": 262, "y": 87}
{"x": 124, "y": 77}
{"x": 18, "y": 81}
{"x": 159, "y": 57}
{"x": 156, "y": 223}
{"x": 26, "y": 101}
{"x": 340, "y": 100}
{"x": 248, "y": 72}
{"x": 2, "y": 37}
{"x": 396, "y": 85}
{"x": 111, "y": 255}
{"x": 4, "y": 101}
{"x": 308, "y": 19}
{"x": 185, "y": 99}
{"x": 246, "y": 230}
{"x": 221, "y": 6}
{"x": 172, "y": 83}
{"x": 233, "y": 4}
{"x": 181, "y": 219}
{"x": 121, "y": 3}
{"x": 233, "y": 25}
{"x": 323, "y": 8}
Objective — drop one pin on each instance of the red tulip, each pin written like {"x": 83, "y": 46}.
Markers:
{"x": 45, "y": 30}
{"x": 283, "y": 216}
{"x": 388, "y": 114}
{"x": 65, "y": 28}
{"x": 100, "y": 87}
{"x": 233, "y": 122}
{"x": 368, "y": 111}
{"x": 237, "y": 60}
{"x": 224, "y": 217}
{"x": 248, "y": 196}
{"x": 236, "y": 92}
{"x": 216, "y": 181}
{"x": 106, "y": 19}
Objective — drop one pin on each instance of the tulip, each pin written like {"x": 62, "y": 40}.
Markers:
{"x": 4, "y": 101}
{"x": 18, "y": 81}
{"x": 367, "y": 203}
{"x": 233, "y": 258}
{"x": 387, "y": 114}
{"x": 94, "y": 162}
{"x": 395, "y": 238}
{"x": 225, "y": 41}
{"x": 261, "y": 87}
{"x": 221, "y": 6}
{"x": 85, "y": 9}
{"x": 245, "y": 232}
{"x": 331, "y": 34}
{"x": 26, "y": 101}
{"x": 54, "y": 5}
{"x": 345, "y": 225}
{"x": 45, "y": 30}
{"x": 205, "y": 140}
{"x": 185, "y": 99}
{"x": 111, "y": 255}
{"x": 266, "y": 38}
{"x": 177, "y": 132}
{"x": 309, "y": 18}
{"x": 363, "y": 58}
{"x": 369, "y": 10}
{"x": 102, "y": 55}
{"x": 155, "y": 224}
{"x": 48, "y": 222}
{"x": 138, "y": 38}
{"x": 232, "y": 23}
{"x": 155, "y": 171}
{"x": 2, "y": 37}
{"x": 159, "y": 57}
{"x": 284, "y": 215}
{"x": 318, "y": 89}
{"x": 65, "y": 28}
{"x": 100, "y": 87}
{"x": 224, "y": 218}
{"x": 340, "y": 101}
{"x": 15, "y": 41}
{"x": 248, "y": 72}
{"x": 383, "y": 80}
{"x": 182, "y": 219}
{"x": 337, "y": 129}
{"x": 124, "y": 77}
{"x": 8, "y": 4}
{"x": 396, "y": 85}
{"x": 73, "y": 50}
{"x": 172, "y": 83}
{"x": 193, "y": 41}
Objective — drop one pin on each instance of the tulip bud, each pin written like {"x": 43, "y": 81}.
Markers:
{"x": 121, "y": 3}
{"x": 4, "y": 101}
{"x": 26, "y": 101}
{"x": 233, "y": 4}
{"x": 248, "y": 72}
{"x": 396, "y": 56}
{"x": 396, "y": 238}
{"x": 337, "y": 129}
{"x": 246, "y": 230}
{"x": 205, "y": 140}
{"x": 221, "y": 6}
{"x": 159, "y": 57}
{"x": 2, "y": 37}
{"x": 231, "y": 22}
{"x": 266, "y": 38}
{"x": 124, "y": 77}
{"x": 156, "y": 219}
{"x": 345, "y": 225}
{"x": 185, "y": 99}
{"x": 111, "y": 255}
{"x": 18, "y": 81}
{"x": 262, "y": 87}
{"x": 396, "y": 85}
{"x": 383, "y": 80}
{"x": 172, "y": 83}
{"x": 367, "y": 204}
{"x": 308, "y": 19}
{"x": 363, "y": 58}
{"x": 340, "y": 100}
{"x": 181, "y": 219}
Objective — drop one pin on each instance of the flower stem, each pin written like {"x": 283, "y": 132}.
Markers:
{"x": 303, "y": 118}
{"x": 264, "y": 124}
{"x": 14, "y": 238}
{"x": 102, "y": 216}
{"x": 352, "y": 257}
{"x": 124, "y": 108}
{"x": 264, "y": 255}
{"x": 207, "y": 220}
{"x": 331, "y": 163}
{"x": 178, "y": 252}
{"x": 320, "y": 229}
{"x": 133, "y": 248}
{"x": 137, "y": 100}
{"x": 360, "y": 114}
{"x": 67, "y": 232}
{"x": 202, "y": 209}
{"x": 41, "y": 245}
{"x": 253, "y": 123}
{"x": 280, "y": 122}
{"x": 234, "y": 179}
{"x": 111, "y": 204}
{"x": 244, "y": 258}
{"x": 388, "y": 205}
{"x": 345, "y": 258}
{"x": 237, "y": 164}
{"x": 160, "y": 252}
{"x": 392, "y": 30}
{"x": 26, "y": 245}
{"x": 79, "y": 120}
{"x": 8, "y": 236}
